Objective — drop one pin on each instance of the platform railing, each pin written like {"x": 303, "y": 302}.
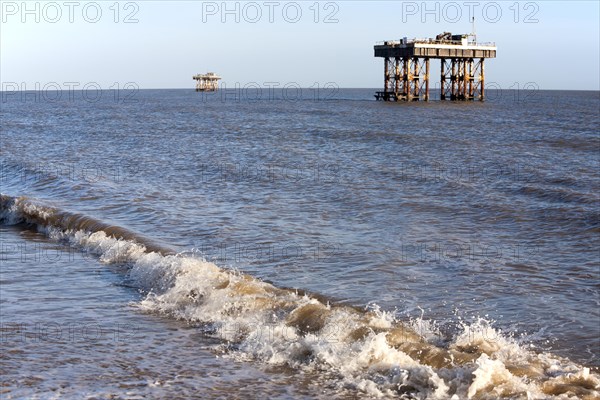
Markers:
{"x": 433, "y": 41}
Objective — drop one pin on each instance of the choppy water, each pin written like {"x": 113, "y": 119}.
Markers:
{"x": 197, "y": 245}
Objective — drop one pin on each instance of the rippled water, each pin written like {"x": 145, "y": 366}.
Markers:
{"x": 453, "y": 219}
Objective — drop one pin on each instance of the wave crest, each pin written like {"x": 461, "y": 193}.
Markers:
{"x": 362, "y": 349}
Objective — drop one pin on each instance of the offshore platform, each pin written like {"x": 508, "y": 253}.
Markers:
{"x": 406, "y": 67}
{"x": 208, "y": 82}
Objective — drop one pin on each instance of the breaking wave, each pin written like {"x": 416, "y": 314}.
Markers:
{"x": 368, "y": 350}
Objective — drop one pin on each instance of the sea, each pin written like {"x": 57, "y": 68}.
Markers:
{"x": 305, "y": 244}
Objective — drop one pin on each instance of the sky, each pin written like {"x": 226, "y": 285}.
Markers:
{"x": 161, "y": 44}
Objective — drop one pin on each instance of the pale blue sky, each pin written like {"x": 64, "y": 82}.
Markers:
{"x": 171, "y": 42}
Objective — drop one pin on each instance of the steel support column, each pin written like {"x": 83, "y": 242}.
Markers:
{"x": 427, "y": 79}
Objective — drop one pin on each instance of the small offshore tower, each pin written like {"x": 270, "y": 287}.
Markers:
{"x": 208, "y": 82}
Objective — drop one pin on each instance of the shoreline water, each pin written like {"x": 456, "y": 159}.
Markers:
{"x": 463, "y": 232}
{"x": 306, "y": 332}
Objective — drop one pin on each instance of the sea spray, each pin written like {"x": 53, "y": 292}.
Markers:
{"x": 366, "y": 349}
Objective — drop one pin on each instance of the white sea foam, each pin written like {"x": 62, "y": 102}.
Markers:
{"x": 365, "y": 350}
